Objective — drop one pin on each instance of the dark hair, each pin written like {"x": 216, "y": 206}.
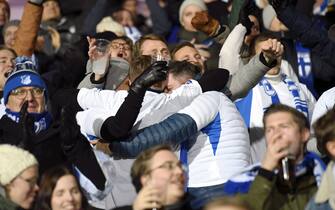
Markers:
{"x": 181, "y": 68}
{"x": 297, "y": 116}
{"x": 48, "y": 184}
{"x": 140, "y": 166}
{"x": 324, "y": 129}
{"x": 181, "y": 45}
{"x": 138, "y": 65}
{"x": 138, "y": 44}
{"x": 3, "y": 47}
{"x": 228, "y": 202}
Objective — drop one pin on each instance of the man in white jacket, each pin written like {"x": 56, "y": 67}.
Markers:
{"x": 221, "y": 148}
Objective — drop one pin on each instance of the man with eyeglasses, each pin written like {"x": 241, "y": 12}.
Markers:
{"x": 109, "y": 69}
{"x": 159, "y": 179}
{"x": 27, "y": 122}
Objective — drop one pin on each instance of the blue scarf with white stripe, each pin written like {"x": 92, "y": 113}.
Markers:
{"x": 42, "y": 120}
{"x": 242, "y": 182}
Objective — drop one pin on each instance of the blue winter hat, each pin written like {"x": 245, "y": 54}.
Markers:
{"x": 24, "y": 75}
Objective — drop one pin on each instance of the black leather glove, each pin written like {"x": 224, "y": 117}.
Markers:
{"x": 247, "y": 8}
{"x": 70, "y": 131}
{"x": 280, "y": 4}
{"x": 156, "y": 72}
{"x": 27, "y": 127}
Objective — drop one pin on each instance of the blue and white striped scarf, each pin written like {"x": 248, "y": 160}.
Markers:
{"x": 242, "y": 182}
{"x": 269, "y": 97}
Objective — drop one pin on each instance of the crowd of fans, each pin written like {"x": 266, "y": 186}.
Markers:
{"x": 162, "y": 104}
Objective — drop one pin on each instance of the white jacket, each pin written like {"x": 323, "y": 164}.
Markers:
{"x": 221, "y": 148}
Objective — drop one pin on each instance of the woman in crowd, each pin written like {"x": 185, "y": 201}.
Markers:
{"x": 18, "y": 178}
{"x": 60, "y": 190}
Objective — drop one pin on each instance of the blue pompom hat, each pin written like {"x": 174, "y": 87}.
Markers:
{"x": 24, "y": 75}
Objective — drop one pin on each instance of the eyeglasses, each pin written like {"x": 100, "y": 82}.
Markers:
{"x": 117, "y": 45}
{"x": 32, "y": 181}
{"x": 170, "y": 166}
{"x": 22, "y": 93}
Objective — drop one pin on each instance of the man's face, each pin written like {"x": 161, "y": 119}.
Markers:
{"x": 174, "y": 82}
{"x": 280, "y": 126}
{"x": 190, "y": 55}
{"x": 187, "y": 15}
{"x": 124, "y": 18}
{"x": 4, "y": 16}
{"x": 35, "y": 98}
{"x": 155, "y": 48}
{"x": 120, "y": 48}
{"x": 167, "y": 175}
{"x": 6, "y": 65}
{"x": 10, "y": 35}
{"x": 51, "y": 10}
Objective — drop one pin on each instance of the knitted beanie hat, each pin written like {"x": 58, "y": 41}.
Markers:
{"x": 268, "y": 15}
{"x": 13, "y": 161}
{"x": 199, "y": 3}
{"x": 24, "y": 75}
{"x": 108, "y": 24}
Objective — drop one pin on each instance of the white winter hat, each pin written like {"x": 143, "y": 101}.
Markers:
{"x": 109, "y": 24}
{"x": 268, "y": 15}
{"x": 13, "y": 161}
{"x": 199, "y": 3}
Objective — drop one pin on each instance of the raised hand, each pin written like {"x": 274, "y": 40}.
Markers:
{"x": 148, "y": 198}
{"x": 26, "y": 123}
{"x": 203, "y": 22}
{"x": 272, "y": 49}
{"x": 247, "y": 7}
{"x": 156, "y": 72}
{"x": 276, "y": 150}
{"x": 55, "y": 38}
{"x": 93, "y": 53}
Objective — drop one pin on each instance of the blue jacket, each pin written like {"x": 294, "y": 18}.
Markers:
{"x": 174, "y": 130}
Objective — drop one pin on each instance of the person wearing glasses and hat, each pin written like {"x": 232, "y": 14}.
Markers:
{"x": 18, "y": 178}
{"x": 27, "y": 123}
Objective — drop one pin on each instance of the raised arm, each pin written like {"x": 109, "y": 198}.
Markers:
{"x": 26, "y": 35}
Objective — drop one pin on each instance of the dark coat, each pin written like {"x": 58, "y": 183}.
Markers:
{"x": 313, "y": 36}
{"x": 45, "y": 146}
